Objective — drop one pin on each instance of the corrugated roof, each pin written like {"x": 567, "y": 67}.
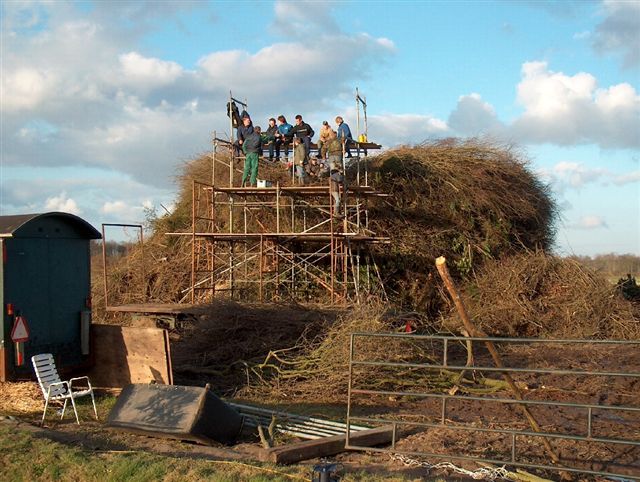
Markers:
{"x": 10, "y": 224}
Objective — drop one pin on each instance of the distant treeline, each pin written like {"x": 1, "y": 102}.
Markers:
{"x": 114, "y": 249}
{"x": 612, "y": 265}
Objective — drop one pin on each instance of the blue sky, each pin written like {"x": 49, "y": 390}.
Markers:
{"x": 102, "y": 102}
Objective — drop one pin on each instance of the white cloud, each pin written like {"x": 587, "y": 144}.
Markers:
{"x": 473, "y": 116}
{"x": 577, "y": 175}
{"x": 25, "y": 88}
{"x": 566, "y": 175}
{"x": 585, "y": 34}
{"x": 304, "y": 19}
{"x": 62, "y": 203}
{"x": 559, "y": 109}
{"x": 148, "y": 72}
{"x": 590, "y": 222}
{"x": 627, "y": 178}
{"x": 114, "y": 207}
{"x": 289, "y": 71}
{"x": 619, "y": 32}
{"x": 393, "y": 129}
{"x": 108, "y": 105}
{"x": 569, "y": 110}
{"x": 125, "y": 211}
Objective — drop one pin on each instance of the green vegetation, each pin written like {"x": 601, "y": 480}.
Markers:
{"x": 27, "y": 456}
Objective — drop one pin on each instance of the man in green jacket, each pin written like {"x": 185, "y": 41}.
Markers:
{"x": 334, "y": 151}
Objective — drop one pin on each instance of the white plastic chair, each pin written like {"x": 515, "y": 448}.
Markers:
{"x": 55, "y": 389}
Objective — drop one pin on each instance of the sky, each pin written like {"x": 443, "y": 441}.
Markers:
{"x": 103, "y": 102}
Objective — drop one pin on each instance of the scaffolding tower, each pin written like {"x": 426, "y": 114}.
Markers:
{"x": 283, "y": 242}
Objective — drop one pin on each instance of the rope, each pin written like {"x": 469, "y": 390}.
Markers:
{"x": 478, "y": 474}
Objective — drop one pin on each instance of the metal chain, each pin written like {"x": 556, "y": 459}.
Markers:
{"x": 478, "y": 474}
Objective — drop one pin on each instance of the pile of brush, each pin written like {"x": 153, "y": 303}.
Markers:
{"x": 534, "y": 294}
{"x": 470, "y": 201}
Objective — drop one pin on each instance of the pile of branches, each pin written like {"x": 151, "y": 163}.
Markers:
{"x": 538, "y": 295}
{"x": 470, "y": 201}
{"x": 318, "y": 367}
{"x": 228, "y": 339}
{"x": 159, "y": 271}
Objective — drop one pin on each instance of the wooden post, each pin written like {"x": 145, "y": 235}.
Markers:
{"x": 104, "y": 270}
{"x": 441, "y": 265}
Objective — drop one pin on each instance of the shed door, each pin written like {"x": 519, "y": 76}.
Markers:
{"x": 68, "y": 289}
{"x": 48, "y": 280}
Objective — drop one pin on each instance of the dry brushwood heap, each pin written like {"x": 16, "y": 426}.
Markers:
{"x": 470, "y": 201}
{"x": 534, "y": 294}
{"x": 474, "y": 202}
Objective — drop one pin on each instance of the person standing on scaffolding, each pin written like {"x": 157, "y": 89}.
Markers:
{"x": 304, "y": 132}
{"x": 243, "y": 131}
{"x": 323, "y": 138}
{"x": 300, "y": 160}
{"x": 283, "y": 136}
{"x": 252, "y": 147}
{"x": 270, "y": 137}
{"x": 344, "y": 134}
{"x": 334, "y": 151}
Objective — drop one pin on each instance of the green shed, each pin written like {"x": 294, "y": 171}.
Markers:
{"x": 45, "y": 284}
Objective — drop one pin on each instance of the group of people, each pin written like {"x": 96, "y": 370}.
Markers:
{"x": 280, "y": 136}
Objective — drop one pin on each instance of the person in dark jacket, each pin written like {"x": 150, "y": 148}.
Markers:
{"x": 252, "y": 147}
{"x": 270, "y": 138}
{"x": 243, "y": 131}
{"x": 304, "y": 132}
{"x": 344, "y": 134}
{"x": 283, "y": 136}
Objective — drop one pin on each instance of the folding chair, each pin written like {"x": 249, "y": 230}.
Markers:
{"x": 55, "y": 389}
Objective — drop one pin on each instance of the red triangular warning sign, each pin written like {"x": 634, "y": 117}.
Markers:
{"x": 20, "y": 331}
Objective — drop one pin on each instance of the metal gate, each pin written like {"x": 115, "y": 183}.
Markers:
{"x": 444, "y": 398}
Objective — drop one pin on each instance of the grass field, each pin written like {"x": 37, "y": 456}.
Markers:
{"x": 63, "y": 451}
{"x": 28, "y": 456}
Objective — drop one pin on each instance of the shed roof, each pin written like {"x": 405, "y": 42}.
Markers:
{"x": 10, "y": 225}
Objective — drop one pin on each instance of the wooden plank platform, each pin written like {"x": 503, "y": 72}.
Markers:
{"x": 326, "y": 446}
{"x": 318, "y": 237}
{"x": 317, "y": 190}
{"x": 353, "y": 144}
{"x": 158, "y": 309}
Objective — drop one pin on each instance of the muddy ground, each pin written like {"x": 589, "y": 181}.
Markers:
{"x": 195, "y": 344}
